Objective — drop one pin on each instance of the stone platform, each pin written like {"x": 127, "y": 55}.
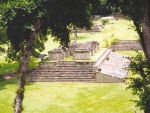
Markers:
{"x": 108, "y": 67}
{"x": 126, "y": 45}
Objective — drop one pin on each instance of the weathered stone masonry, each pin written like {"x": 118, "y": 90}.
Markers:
{"x": 108, "y": 67}
{"x": 63, "y": 71}
{"x": 82, "y": 51}
{"x": 127, "y": 45}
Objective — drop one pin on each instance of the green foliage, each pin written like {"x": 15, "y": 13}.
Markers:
{"x": 56, "y": 18}
{"x": 115, "y": 40}
{"x": 17, "y": 19}
{"x": 3, "y": 41}
{"x": 69, "y": 58}
{"x": 105, "y": 21}
{"x": 110, "y": 40}
{"x": 32, "y": 62}
{"x": 139, "y": 82}
{"x": 8, "y": 67}
{"x": 103, "y": 8}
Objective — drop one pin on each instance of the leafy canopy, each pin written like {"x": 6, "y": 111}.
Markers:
{"x": 56, "y": 16}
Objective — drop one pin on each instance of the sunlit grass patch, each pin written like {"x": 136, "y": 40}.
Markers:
{"x": 8, "y": 67}
{"x": 129, "y": 53}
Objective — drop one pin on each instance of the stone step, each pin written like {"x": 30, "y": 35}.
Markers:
{"x": 65, "y": 68}
{"x": 66, "y": 65}
{"x": 70, "y": 68}
{"x": 63, "y": 80}
{"x": 65, "y": 77}
{"x": 62, "y": 72}
{"x": 86, "y": 70}
{"x": 61, "y": 75}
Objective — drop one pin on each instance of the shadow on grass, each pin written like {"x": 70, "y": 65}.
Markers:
{"x": 12, "y": 81}
{"x": 9, "y": 72}
{"x": 8, "y": 67}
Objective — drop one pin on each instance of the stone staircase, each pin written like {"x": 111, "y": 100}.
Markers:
{"x": 63, "y": 71}
{"x": 108, "y": 67}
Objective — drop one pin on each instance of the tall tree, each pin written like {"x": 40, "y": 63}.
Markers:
{"x": 27, "y": 20}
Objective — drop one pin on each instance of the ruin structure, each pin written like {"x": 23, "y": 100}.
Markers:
{"x": 109, "y": 66}
{"x": 82, "y": 51}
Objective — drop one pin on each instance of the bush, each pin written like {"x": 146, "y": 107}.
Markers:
{"x": 112, "y": 39}
{"x": 32, "y": 62}
{"x": 105, "y": 21}
{"x": 115, "y": 40}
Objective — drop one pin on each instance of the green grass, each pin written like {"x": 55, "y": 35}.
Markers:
{"x": 69, "y": 58}
{"x": 52, "y": 97}
{"x": 129, "y": 53}
{"x": 7, "y": 94}
{"x": 8, "y": 67}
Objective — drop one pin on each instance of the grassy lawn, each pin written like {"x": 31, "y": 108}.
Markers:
{"x": 67, "y": 97}
{"x": 52, "y": 97}
{"x": 8, "y": 67}
{"x": 129, "y": 53}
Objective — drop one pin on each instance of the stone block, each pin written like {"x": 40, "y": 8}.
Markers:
{"x": 56, "y": 54}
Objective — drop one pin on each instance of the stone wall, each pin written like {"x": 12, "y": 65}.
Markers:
{"x": 76, "y": 64}
{"x": 81, "y": 54}
{"x": 108, "y": 79}
{"x": 95, "y": 46}
{"x": 49, "y": 65}
{"x": 72, "y": 48}
{"x": 127, "y": 45}
{"x": 85, "y": 50}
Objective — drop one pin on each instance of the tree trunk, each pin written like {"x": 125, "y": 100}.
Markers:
{"x": 145, "y": 21}
{"x": 75, "y": 34}
{"x": 23, "y": 69}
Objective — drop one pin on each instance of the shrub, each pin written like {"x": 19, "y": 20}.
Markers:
{"x": 112, "y": 39}
{"x": 105, "y": 21}
{"x": 115, "y": 40}
{"x": 32, "y": 62}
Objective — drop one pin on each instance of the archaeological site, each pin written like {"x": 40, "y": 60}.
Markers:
{"x": 107, "y": 67}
